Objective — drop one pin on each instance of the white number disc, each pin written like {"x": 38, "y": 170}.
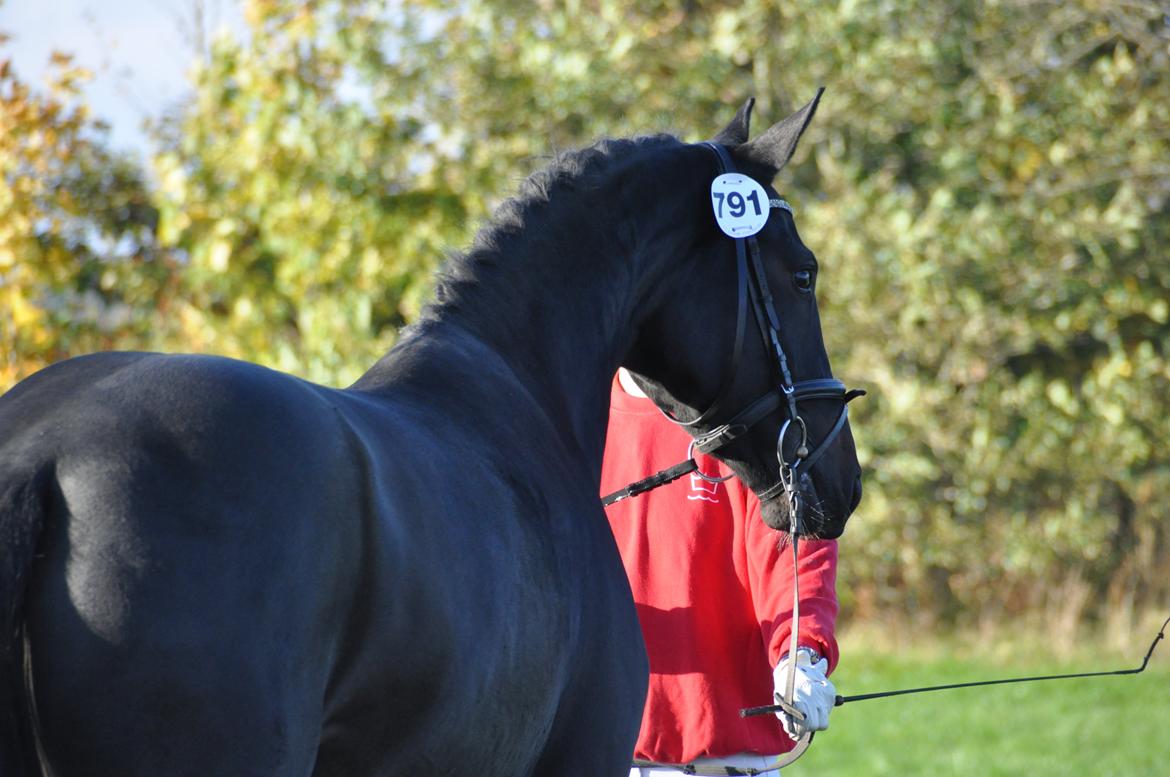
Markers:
{"x": 740, "y": 204}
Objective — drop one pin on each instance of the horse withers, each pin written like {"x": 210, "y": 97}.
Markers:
{"x": 211, "y": 568}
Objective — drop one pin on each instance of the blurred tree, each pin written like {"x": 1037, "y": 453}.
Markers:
{"x": 296, "y": 186}
{"x": 79, "y": 267}
{"x": 986, "y": 185}
{"x": 995, "y": 189}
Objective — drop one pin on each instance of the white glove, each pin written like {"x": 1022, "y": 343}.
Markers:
{"x": 813, "y": 694}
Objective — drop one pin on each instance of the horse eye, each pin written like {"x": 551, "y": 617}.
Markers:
{"x": 803, "y": 280}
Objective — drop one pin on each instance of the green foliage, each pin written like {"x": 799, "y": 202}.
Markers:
{"x": 291, "y": 188}
{"x": 994, "y": 212}
{"x": 79, "y": 270}
{"x": 986, "y": 185}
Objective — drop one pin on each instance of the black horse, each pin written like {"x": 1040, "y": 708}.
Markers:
{"x": 211, "y": 568}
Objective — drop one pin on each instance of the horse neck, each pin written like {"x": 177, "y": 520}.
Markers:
{"x": 559, "y": 317}
{"x": 558, "y": 302}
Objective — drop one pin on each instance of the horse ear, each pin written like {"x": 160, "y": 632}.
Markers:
{"x": 774, "y": 148}
{"x": 736, "y": 133}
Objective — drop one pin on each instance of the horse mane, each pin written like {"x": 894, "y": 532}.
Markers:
{"x": 529, "y": 220}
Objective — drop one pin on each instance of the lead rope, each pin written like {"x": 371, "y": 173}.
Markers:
{"x": 794, "y": 642}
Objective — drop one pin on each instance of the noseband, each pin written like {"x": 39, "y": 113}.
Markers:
{"x": 788, "y": 394}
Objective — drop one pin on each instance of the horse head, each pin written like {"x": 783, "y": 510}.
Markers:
{"x": 760, "y": 397}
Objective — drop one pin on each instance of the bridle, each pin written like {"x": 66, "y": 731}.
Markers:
{"x": 753, "y": 286}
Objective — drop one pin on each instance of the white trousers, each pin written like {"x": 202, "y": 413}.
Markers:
{"x": 742, "y": 760}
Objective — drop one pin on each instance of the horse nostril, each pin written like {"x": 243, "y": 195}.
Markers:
{"x": 856, "y": 494}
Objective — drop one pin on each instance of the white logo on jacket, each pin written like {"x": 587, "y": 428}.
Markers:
{"x": 702, "y": 489}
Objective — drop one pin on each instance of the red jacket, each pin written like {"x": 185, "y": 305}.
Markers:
{"x": 713, "y": 592}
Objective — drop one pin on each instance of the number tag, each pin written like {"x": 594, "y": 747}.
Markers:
{"x": 740, "y": 204}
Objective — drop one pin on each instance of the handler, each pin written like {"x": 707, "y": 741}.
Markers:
{"x": 714, "y": 597}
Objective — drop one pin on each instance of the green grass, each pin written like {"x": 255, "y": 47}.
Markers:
{"x": 1100, "y": 726}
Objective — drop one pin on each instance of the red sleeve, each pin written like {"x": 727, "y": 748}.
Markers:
{"x": 769, "y": 566}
